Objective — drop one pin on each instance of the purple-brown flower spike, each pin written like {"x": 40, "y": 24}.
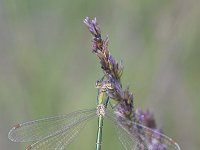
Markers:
{"x": 124, "y": 110}
{"x": 100, "y": 48}
{"x": 112, "y": 70}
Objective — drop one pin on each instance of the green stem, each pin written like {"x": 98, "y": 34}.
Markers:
{"x": 99, "y": 132}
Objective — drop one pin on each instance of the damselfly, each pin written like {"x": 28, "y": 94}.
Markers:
{"x": 55, "y": 133}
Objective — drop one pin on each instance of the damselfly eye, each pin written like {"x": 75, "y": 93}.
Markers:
{"x": 98, "y": 84}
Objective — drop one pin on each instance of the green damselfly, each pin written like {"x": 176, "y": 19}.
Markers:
{"x": 55, "y": 133}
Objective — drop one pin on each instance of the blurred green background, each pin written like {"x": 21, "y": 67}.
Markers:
{"x": 47, "y": 68}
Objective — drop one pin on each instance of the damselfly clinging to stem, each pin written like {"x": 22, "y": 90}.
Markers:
{"x": 55, "y": 133}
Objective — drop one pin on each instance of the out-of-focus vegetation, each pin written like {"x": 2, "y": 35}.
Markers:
{"x": 47, "y": 68}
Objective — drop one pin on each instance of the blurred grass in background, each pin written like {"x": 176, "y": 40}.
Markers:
{"x": 47, "y": 68}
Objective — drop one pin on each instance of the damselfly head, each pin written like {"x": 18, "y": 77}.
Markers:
{"x": 98, "y": 84}
{"x": 104, "y": 85}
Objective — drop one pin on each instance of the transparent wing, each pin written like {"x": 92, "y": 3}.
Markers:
{"x": 59, "y": 140}
{"x": 140, "y": 137}
{"x": 48, "y": 127}
{"x": 129, "y": 142}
